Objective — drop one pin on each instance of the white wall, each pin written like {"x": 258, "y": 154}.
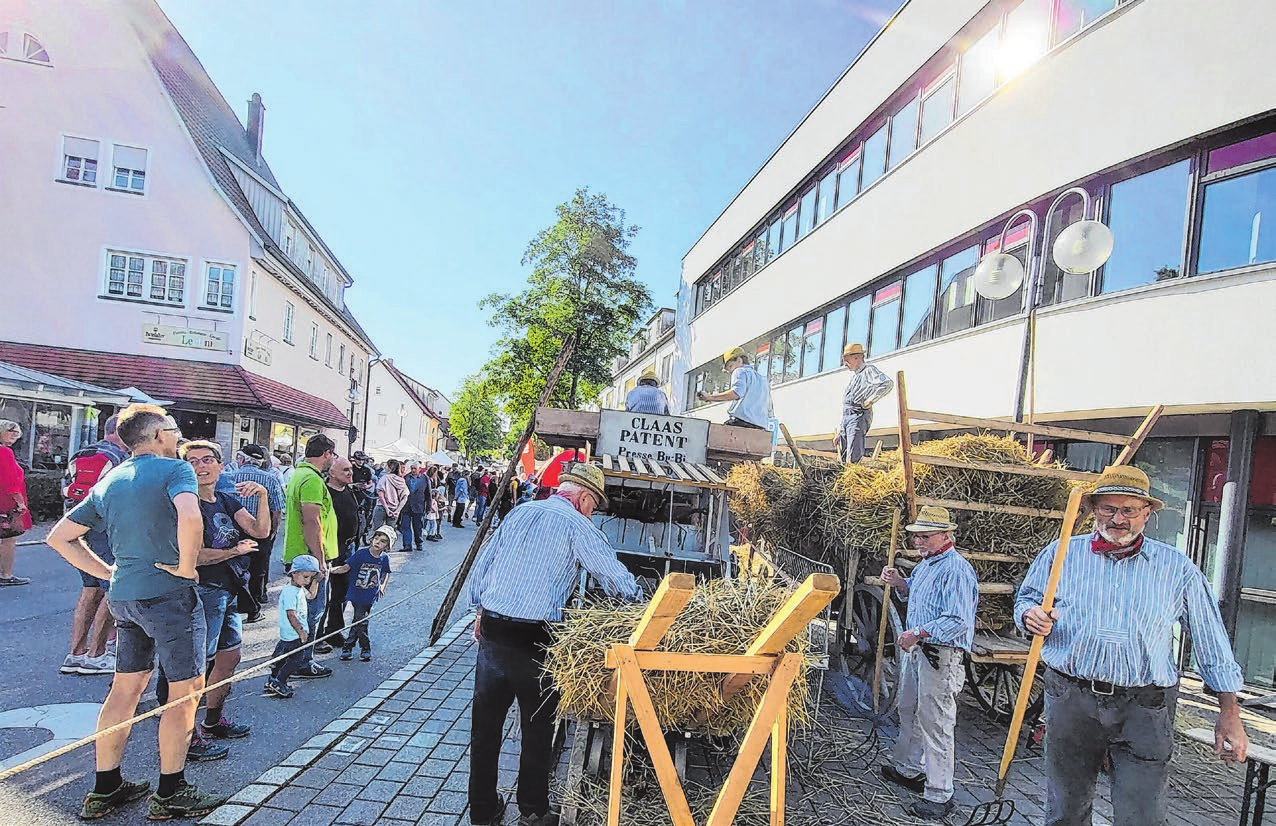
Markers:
{"x": 418, "y": 428}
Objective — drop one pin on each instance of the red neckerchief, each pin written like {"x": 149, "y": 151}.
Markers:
{"x": 947, "y": 547}
{"x": 1099, "y": 545}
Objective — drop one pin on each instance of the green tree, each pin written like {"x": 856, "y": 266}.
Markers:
{"x": 582, "y": 284}
{"x": 474, "y": 421}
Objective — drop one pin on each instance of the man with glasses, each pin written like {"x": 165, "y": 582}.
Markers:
{"x": 312, "y": 529}
{"x": 1111, "y": 682}
{"x": 149, "y": 509}
{"x": 521, "y": 580}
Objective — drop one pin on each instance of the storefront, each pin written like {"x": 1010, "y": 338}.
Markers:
{"x": 57, "y": 415}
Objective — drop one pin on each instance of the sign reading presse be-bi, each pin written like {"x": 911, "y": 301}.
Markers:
{"x": 646, "y": 435}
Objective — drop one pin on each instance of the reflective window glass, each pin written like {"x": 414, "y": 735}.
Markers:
{"x": 827, "y": 188}
{"x": 848, "y": 179}
{"x": 919, "y": 304}
{"x": 834, "y": 324}
{"x": 788, "y": 228}
{"x": 1232, "y": 230}
{"x": 937, "y": 108}
{"x": 1238, "y": 154}
{"x": 874, "y": 157}
{"x": 957, "y": 291}
{"x": 778, "y": 355}
{"x": 1071, "y": 16}
{"x": 857, "y": 321}
{"x": 978, "y": 71}
{"x": 773, "y": 238}
{"x": 1148, "y": 216}
{"x": 806, "y": 213}
{"x": 793, "y": 354}
{"x": 884, "y": 333}
{"x": 761, "y": 253}
{"x": 812, "y": 346}
{"x": 762, "y": 357}
{"x": 1026, "y": 38}
{"x": 903, "y": 133}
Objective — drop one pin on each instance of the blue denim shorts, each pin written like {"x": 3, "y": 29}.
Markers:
{"x": 170, "y": 626}
{"x": 221, "y": 618}
{"x": 100, "y": 545}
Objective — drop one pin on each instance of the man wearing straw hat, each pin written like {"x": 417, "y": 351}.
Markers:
{"x": 942, "y": 594}
{"x": 749, "y": 394}
{"x": 1111, "y": 681}
{"x": 867, "y": 386}
{"x": 647, "y": 397}
{"x": 521, "y": 580}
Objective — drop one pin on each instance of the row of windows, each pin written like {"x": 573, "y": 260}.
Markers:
{"x": 289, "y": 336}
{"x": 81, "y": 156}
{"x": 924, "y": 107}
{"x": 307, "y": 256}
{"x": 1194, "y": 211}
{"x": 135, "y": 276}
{"x": 23, "y": 46}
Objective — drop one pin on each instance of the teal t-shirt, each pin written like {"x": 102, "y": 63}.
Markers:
{"x": 133, "y": 505}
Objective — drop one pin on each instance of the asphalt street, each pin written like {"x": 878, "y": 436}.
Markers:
{"x": 34, "y": 630}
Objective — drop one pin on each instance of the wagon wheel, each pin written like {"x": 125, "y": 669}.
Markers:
{"x": 996, "y": 687}
{"x": 857, "y": 635}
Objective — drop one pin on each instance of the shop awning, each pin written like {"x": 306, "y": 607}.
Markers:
{"x": 30, "y": 381}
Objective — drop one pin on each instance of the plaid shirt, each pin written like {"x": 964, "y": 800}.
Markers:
{"x": 268, "y": 480}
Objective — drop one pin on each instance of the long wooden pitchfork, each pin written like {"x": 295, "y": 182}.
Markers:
{"x": 886, "y": 608}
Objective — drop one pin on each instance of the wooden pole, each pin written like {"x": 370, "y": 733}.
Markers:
{"x": 1034, "y": 650}
{"x": 906, "y": 447}
{"x": 797, "y": 457}
{"x": 449, "y": 601}
{"x": 1136, "y": 441}
{"x": 886, "y": 607}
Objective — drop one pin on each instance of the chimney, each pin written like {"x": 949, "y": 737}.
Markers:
{"x": 256, "y": 123}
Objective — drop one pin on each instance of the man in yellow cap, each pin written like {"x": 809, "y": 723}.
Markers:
{"x": 647, "y": 397}
{"x": 866, "y": 387}
{"x": 942, "y": 594}
{"x": 749, "y": 394}
{"x": 1111, "y": 679}
{"x": 521, "y": 580}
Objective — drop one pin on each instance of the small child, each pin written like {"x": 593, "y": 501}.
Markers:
{"x": 432, "y": 518}
{"x": 303, "y": 585}
{"x": 369, "y": 573}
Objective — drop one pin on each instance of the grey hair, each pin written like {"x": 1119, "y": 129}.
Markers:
{"x": 8, "y": 424}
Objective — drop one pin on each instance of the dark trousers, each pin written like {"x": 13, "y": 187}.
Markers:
{"x": 480, "y": 503}
{"x": 510, "y": 656}
{"x": 458, "y": 513}
{"x": 283, "y": 670}
{"x": 734, "y": 422}
{"x": 1135, "y": 727}
{"x": 359, "y": 630}
{"x": 335, "y": 618}
{"x": 411, "y": 525}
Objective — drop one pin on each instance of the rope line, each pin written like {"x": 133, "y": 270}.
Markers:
{"x": 196, "y": 695}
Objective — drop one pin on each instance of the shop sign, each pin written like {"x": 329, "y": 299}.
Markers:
{"x": 663, "y": 438}
{"x": 184, "y": 337}
{"x": 257, "y": 352}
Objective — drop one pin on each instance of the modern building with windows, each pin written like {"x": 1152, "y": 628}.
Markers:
{"x": 960, "y": 131}
{"x": 149, "y": 245}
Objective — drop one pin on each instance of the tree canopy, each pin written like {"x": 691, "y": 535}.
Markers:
{"x": 582, "y": 284}
{"x": 473, "y": 420}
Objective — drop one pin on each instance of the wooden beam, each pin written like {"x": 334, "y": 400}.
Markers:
{"x": 738, "y": 444}
{"x": 986, "y": 508}
{"x": 618, "y": 727}
{"x": 1021, "y": 427}
{"x": 623, "y": 463}
{"x": 677, "y": 470}
{"x": 694, "y": 472}
{"x": 797, "y": 456}
{"x": 1136, "y": 441}
{"x": 906, "y": 447}
{"x": 607, "y": 464}
{"x": 671, "y": 597}
{"x": 639, "y": 466}
{"x": 711, "y": 474}
{"x": 779, "y": 764}
{"x": 996, "y": 467}
{"x": 698, "y": 663}
{"x": 567, "y": 427}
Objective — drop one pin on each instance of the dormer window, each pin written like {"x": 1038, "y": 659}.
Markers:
{"x": 24, "y": 47}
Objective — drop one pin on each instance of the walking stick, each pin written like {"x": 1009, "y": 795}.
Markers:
{"x": 886, "y": 607}
{"x": 449, "y": 601}
{"x": 1034, "y": 651}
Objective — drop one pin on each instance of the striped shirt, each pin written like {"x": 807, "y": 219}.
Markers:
{"x": 265, "y": 478}
{"x": 532, "y": 563}
{"x": 942, "y": 595}
{"x": 867, "y": 385}
{"x": 646, "y": 398}
{"x": 1116, "y": 618}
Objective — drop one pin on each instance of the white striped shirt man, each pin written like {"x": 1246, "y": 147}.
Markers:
{"x": 1116, "y": 617}
{"x": 942, "y": 595}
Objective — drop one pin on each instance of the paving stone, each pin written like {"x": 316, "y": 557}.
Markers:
{"x": 279, "y": 775}
{"x": 404, "y": 727}
{"x": 315, "y": 816}
{"x": 457, "y": 736}
{"x": 406, "y": 808}
{"x": 447, "y": 752}
{"x": 436, "y": 819}
{"x": 300, "y": 757}
{"x": 269, "y": 817}
{"x": 228, "y": 814}
{"x": 362, "y": 813}
{"x": 423, "y": 786}
{"x": 322, "y": 740}
{"x": 411, "y": 754}
{"x": 358, "y": 775}
{"x": 415, "y": 715}
{"x": 438, "y": 724}
{"x": 253, "y": 794}
{"x": 436, "y": 767}
{"x": 381, "y": 790}
{"x": 341, "y": 724}
{"x": 293, "y": 798}
{"x": 338, "y": 794}
{"x": 375, "y": 757}
{"x": 397, "y": 771}
{"x": 351, "y": 744}
{"x": 449, "y": 802}
{"x": 396, "y": 706}
{"x": 316, "y": 778}
{"x": 457, "y": 782}
{"x": 425, "y": 739}
{"x": 335, "y": 760}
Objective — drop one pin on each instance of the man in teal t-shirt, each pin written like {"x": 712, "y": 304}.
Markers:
{"x": 149, "y": 509}
{"x": 312, "y": 529}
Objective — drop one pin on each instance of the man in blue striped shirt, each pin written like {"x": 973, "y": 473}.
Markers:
{"x": 1112, "y": 682}
{"x": 522, "y": 579}
{"x": 942, "y": 594}
{"x": 256, "y": 468}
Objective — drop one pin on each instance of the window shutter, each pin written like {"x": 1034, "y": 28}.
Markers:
{"x": 128, "y": 157}
{"x": 79, "y": 148}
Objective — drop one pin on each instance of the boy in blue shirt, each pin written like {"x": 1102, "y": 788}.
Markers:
{"x": 369, "y": 573}
{"x": 303, "y": 584}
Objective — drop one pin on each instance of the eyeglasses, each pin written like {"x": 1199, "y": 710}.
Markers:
{"x": 176, "y": 430}
{"x": 203, "y": 460}
{"x": 1107, "y": 511}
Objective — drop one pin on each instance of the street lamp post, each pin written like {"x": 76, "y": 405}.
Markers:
{"x": 403, "y": 412}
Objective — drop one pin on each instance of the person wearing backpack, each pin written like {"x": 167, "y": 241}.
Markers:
{"x": 91, "y": 621}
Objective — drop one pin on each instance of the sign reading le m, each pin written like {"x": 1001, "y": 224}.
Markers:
{"x": 663, "y": 438}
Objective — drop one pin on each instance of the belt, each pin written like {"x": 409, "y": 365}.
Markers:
{"x": 496, "y": 616}
{"x": 1106, "y": 689}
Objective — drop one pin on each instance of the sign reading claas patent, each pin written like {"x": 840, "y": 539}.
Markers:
{"x": 663, "y": 438}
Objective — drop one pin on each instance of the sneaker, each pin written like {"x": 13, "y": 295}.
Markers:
{"x": 930, "y": 810}
{"x": 72, "y": 663}
{"x": 256, "y": 616}
{"x": 323, "y": 648}
{"x": 548, "y": 819}
{"x": 274, "y": 689}
{"x": 100, "y": 805}
{"x": 201, "y": 750}
{"x": 314, "y": 671}
{"x": 14, "y": 580}
{"x": 365, "y": 656}
{"x": 495, "y": 820}
{"x": 187, "y": 801}
{"x": 347, "y": 655}
{"x": 226, "y": 730}
{"x": 104, "y": 664}
{"x": 916, "y": 785}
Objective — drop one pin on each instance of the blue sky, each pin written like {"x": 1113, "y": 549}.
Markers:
{"x": 428, "y": 142}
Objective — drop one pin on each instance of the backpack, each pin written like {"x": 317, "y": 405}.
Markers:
{"x": 83, "y": 471}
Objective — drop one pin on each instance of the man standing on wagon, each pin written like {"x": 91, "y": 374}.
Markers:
{"x": 867, "y": 386}
{"x": 942, "y": 595}
{"x": 1111, "y": 680}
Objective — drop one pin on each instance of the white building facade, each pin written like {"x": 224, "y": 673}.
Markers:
{"x": 148, "y": 240}
{"x": 402, "y": 409}
{"x": 866, "y": 224}
{"x": 652, "y": 349}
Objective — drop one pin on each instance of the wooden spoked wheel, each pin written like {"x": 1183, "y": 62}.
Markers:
{"x": 856, "y": 655}
{"x": 996, "y": 687}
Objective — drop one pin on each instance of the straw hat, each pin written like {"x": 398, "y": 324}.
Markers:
{"x": 931, "y": 519}
{"x": 589, "y": 477}
{"x": 733, "y": 353}
{"x": 852, "y": 349}
{"x": 1123, "y": 480}
{"x": 649, "y": 375}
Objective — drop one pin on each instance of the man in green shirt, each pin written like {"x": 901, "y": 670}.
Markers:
{"x": 312, "y": 529}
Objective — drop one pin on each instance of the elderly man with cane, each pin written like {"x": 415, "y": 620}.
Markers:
{"x": 1111, "y": 682}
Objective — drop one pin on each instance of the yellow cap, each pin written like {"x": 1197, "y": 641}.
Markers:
{"x": 733, "y": 353}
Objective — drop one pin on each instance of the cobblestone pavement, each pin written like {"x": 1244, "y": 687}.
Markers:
{"x": 400, "y": 757}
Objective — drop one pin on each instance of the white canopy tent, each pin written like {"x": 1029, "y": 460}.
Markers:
{"x": 441, "y": 458}
{"x": 398, "y": 449}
